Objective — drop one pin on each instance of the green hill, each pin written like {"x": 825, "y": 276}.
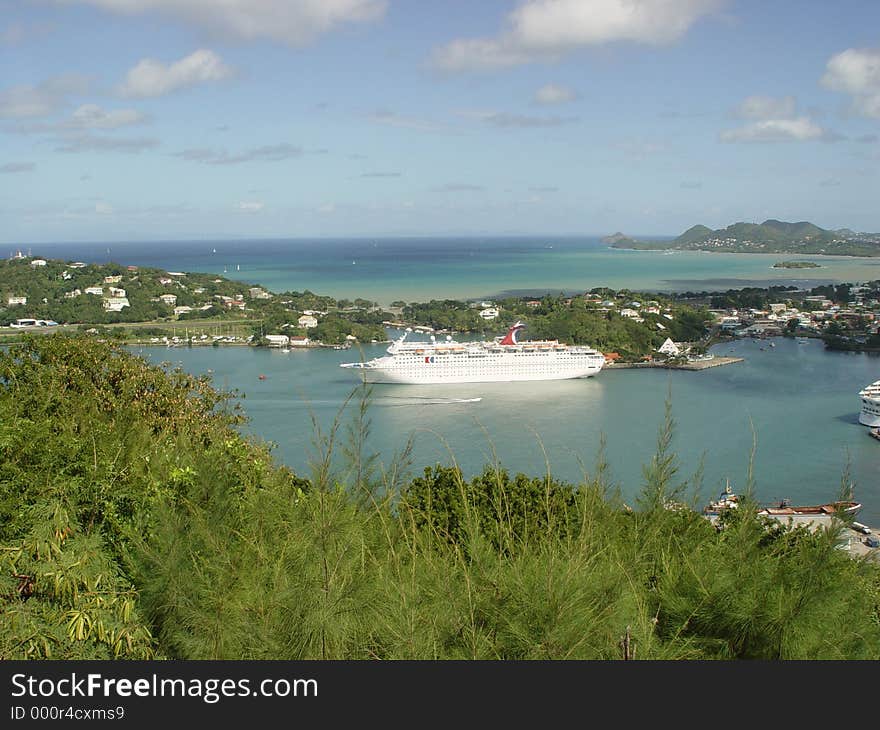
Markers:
{"x": 770, "y": 231}
{"x": 694, "y": 233}
{"x": 771, "y": 236}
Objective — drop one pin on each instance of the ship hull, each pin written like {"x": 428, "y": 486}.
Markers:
{"x": 399, "y": 375}
{"x": 870, "y": 415}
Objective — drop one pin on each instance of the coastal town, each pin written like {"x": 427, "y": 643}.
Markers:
{"x": 141, "y": 305}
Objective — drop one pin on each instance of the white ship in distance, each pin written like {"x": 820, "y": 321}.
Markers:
{"x": 504, "y": 359}
{"x": 870, "y": 395}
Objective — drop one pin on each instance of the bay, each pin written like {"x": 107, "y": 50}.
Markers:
{"x": 418, "y": 269}
{"x": 799, "y": 401}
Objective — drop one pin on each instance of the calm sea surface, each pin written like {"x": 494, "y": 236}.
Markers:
{"x": 801, "y": 401}
{"x": 418, "y": 269}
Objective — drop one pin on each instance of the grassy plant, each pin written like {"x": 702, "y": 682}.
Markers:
{"x": 164, "y": 532}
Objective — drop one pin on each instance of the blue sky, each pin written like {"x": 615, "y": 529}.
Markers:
{"x": 164, "y": 119}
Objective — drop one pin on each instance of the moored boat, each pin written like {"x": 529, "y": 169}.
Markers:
{"x": 729, "y": 500}
{"x": 501, "y": 360}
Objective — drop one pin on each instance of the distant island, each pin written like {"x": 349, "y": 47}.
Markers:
{"x": 616, "y": 238}
{"x": 796, "y": 265}
{"x": 771, "y": 236}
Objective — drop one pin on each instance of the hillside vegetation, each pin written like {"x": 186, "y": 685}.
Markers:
{"x": 136, "y": 522}
{"x": 771, "y": 236}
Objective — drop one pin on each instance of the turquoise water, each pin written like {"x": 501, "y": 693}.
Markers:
{"x": 419, "y": 269}
{"x": 801, "y": 401}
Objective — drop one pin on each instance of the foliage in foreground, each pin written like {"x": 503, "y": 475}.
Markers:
{"x": 136, "y": 522}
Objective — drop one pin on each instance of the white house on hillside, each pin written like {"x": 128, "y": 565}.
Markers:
{"x": 115, "y": 304}
{"x": 307, "y": 321}
{"x": 489, "y": 313}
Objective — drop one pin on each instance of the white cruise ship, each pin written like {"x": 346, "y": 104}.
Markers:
{"x": 502, "y": 360}
{"x": 870, "y": 395}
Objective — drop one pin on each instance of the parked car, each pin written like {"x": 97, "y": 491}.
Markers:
{"x": 872, "y": 542}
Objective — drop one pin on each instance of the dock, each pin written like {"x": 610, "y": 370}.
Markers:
{"x": 715, "y": 362}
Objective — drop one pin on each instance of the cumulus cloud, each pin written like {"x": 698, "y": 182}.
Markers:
{"x": 766, "y": 107}
{"x": 295, "y": 22}
{"x": 154, "y": 78}
{"x": 13, "y": 167}
{"x": 544, "y": 30}
{"x": 775, "y": 119}
{"x": 554, "y": 94}
{"x": 856, "y": 72}
{"x": 250, "y": 206}
{"x": 799, "y": 129}
{"x": 266, "y": 153}
{"x": 42, "y": 100}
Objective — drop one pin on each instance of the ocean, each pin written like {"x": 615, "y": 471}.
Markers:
{"x": 418, "y": 269}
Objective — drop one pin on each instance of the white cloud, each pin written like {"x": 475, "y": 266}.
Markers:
{"x": 250, "y": 206}
{"x": 91, "y": 116}
{"x": 775, "y": 119}
{"x": 290, "y": 21}
{"x": 94, "y": 143}
{"x": 766, "y": 107}
{"x": 103, "y": 208}
{"x": 44, "y": 99}
{"x": 153, "y": 78}
{"x": 84, "y": 117}
{"x": 799, "y": 129}
{"x": 266, "y": 153}
{"x": 554, "y": 94}
{"x": 856, "y": 72}
{"x": 505, "y": 120}
{"x": 543, "y": 30}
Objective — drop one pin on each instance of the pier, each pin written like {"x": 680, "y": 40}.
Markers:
{"x": 689, "y": 365}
